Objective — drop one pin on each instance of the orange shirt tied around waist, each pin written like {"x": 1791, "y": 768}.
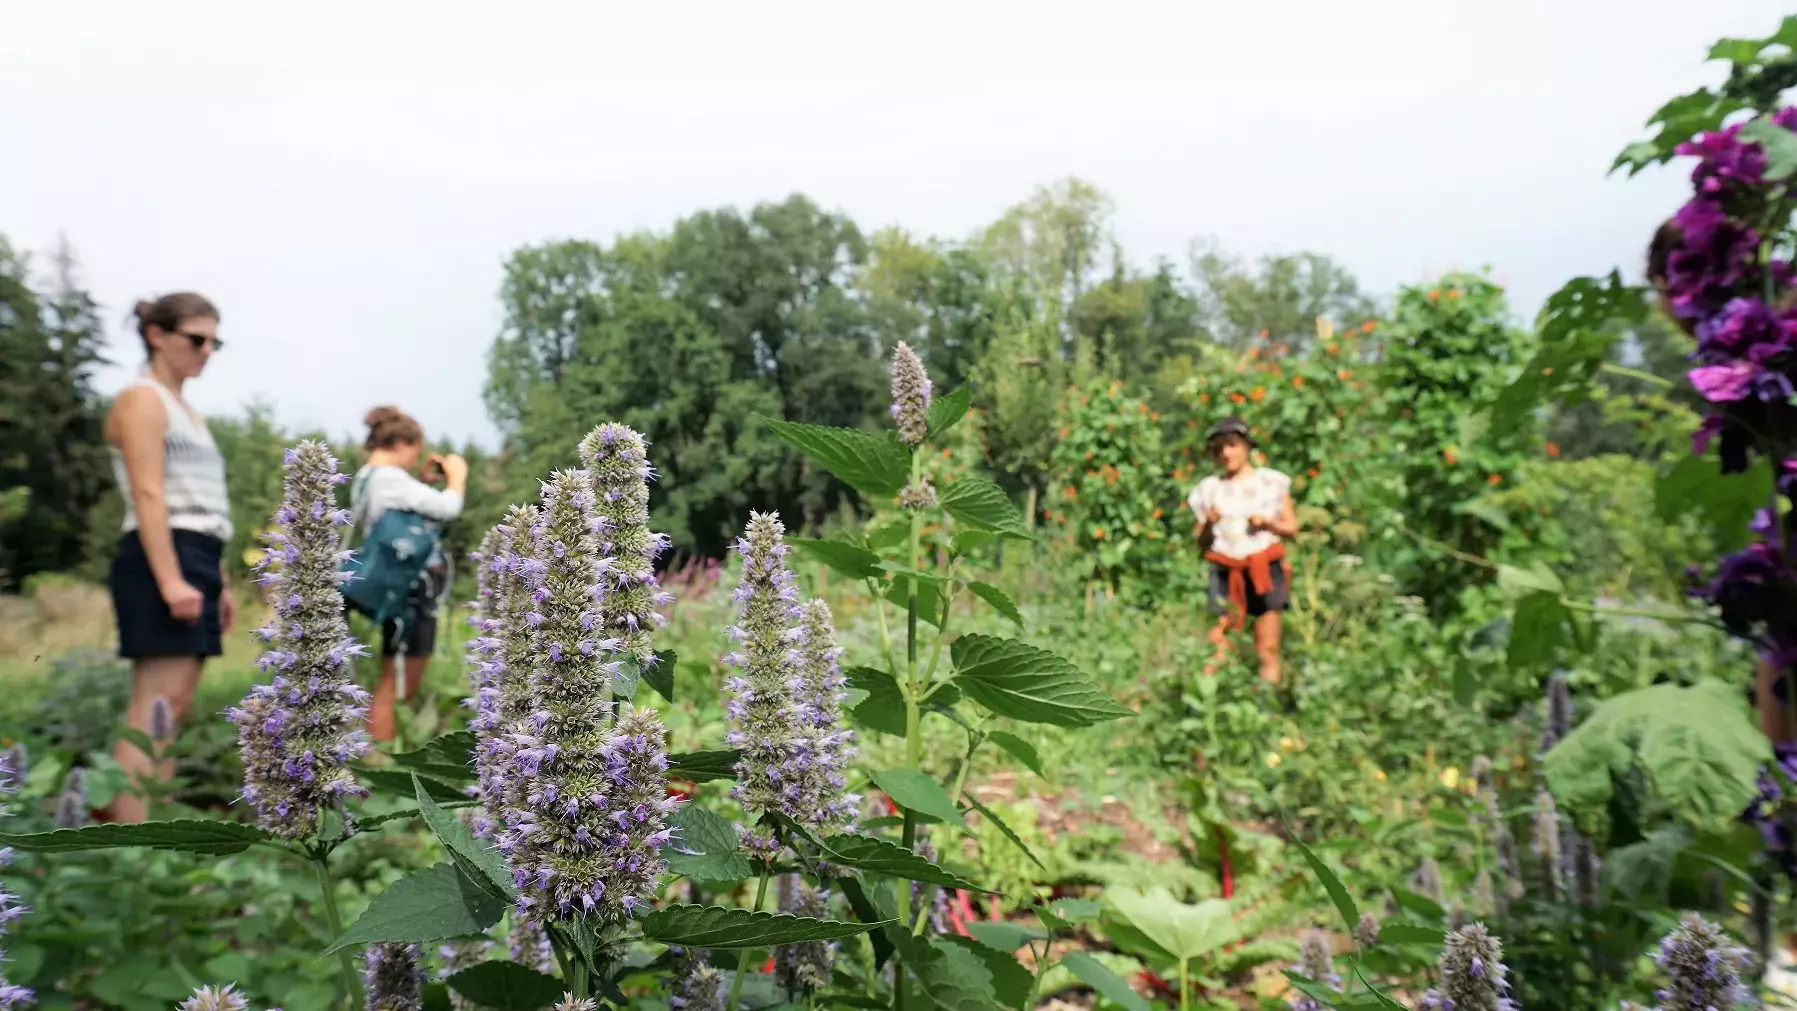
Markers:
{"x": 1256, "y": 569}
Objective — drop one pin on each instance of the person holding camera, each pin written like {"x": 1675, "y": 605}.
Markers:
{"x": 395, "y": 442}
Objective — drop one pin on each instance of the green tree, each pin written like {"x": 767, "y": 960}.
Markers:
{"x": 1051, "y": 242}
{"x": 1278, "y": 300}
{"x": 938, "y": 298}
{"x": 53, "y": 461}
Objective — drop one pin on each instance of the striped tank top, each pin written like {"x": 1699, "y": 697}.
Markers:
{"x": 193, "y": 472}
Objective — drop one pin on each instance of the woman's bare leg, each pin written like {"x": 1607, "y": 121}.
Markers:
{"x": 175, "y": 678}
{"x": 1266, "y": 645}
{"x": 1219, "y": 640}
{"x": 383, "y": 722}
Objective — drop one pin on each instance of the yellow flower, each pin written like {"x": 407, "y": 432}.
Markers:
{"x": 1273, "y": 759}
{"x": 1379, "y": 774}
{"x": 1450, "y": 777}
{"x": 1287, "y": 744}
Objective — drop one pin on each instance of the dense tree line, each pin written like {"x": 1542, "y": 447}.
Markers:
{"x": 783, "y": 310}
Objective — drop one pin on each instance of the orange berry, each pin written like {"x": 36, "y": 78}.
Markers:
{"x": 1098, "y": 533}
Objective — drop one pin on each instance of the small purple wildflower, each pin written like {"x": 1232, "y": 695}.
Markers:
{"x": 71, "y": 805}
{"x": 1703, "y": 968}
{"x": 805, "y": 967}
{"x": 1316, "y": 962}
{"x": 695, "y": 985}
{"x": 1473, "y": 976}
{"x": 162, "y": 720}
{"x": 824, "y": 746}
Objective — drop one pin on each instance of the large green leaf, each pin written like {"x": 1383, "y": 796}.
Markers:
{"x": 878, "y": 856}
{"x": 1696, "y": 486}
{"x": 979, "y": 503}
{"x": 1779, "y": 144}
{"x": 869, "y": 463}
{"x": 1107, "y": 984}
{"x": 1696, "y": 748}
{"x": 996, "y": 597}
{"x": 884, "y": 708}
{"x": 1019, "y": 749}
{"x": 480, "y": 862}
{"x": 929, "y": 599}
{"x": 433, "y": 904}
{"x": 1003, "y": 935}
{"x": 400, "y": 781}
{"x": 947, "y": 410}
{"x": 704, "y": 847}
{"x": 951, "y": 977}
{"x": 723, "y": 927}
{"x": 660, "y": 675}
{"x": 863, "y": 903}
{"x": 1028, "y": 683}
{"x": 1011, "y": 982}
{"x": 1183, "y": 931}
{"x": 507, "y": 986}
{"x": 187, "y": 835}
{"x": 851, "y": 560}
{"x": 1537, "y": 578}
{"x": 1641, "y": 872}
{"x": 703, "y": 766}
{"x": 1542, "y": 625}
{"x": 449, "y": 758}
{"x": 915, "y": 790}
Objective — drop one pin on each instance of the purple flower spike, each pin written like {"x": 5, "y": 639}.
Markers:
{"x": 766, "y": 721}
{"x": 617, "y": 459}
{"x": 1703, "y": 968}
{"x": 804, "y": 968}
{"x": 394, "y": 976}
{"x": 910, "y": 395}
{"x": 299, "y": 733}
{"x": 1473, "y": 976}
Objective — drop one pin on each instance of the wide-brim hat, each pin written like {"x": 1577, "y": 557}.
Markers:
{"x": 1231, "y": 425}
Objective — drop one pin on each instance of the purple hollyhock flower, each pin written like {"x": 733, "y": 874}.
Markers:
{"x": 1714, "y": 255}
{"x": 300, "y": 732}
{"x": 1703, "y": 968}
{"x": 766, "y": 720}
{"x": 1723, "y": 384}
{"x": 1746, "y": 587}
{"x": 1725, "y": 161}
{"x": 394, "y": 976}
{"x": 1742, "y": 324}
{"x": 617, "y": 459}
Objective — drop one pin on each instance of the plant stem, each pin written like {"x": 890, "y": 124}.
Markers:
{"x": 1627, "y": 373}
{"x": 352, "y": 987}
{"x": 1185, "y": 986}
{"x": 873, "y": 590}
{"x": 742, "y": 960}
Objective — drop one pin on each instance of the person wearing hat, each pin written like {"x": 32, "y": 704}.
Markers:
{"x": 1244, "y": 514}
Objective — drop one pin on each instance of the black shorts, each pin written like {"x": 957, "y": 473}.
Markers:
{"x": 1274, "y": 600}
{"x": 418, "y": 630}
{"x": 146, "y": 628}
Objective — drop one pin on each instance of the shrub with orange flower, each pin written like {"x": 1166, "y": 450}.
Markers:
{"x": 1109, "y": 476}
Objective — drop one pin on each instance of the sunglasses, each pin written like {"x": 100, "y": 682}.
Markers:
{"x": 200, "y": 340}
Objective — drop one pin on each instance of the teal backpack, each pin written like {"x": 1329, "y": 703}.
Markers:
{"x": 390, "y": 559}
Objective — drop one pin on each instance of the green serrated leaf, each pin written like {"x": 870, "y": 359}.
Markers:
{"x": 1004, "y": 830}
{"x": 929, "y": 600}
{"x": 1344, "y": 902}
{"x": 883, "y": 709}
{"x": 507, "y": 986}
{"x": 1107, "y": 984}
{"x": 851, "y": 560}
{"x": 703, "y": 766}
{"x": 863, "y": 905}
{"x": 878, "y": 856}
{"x": 399, "y": 781}
{"x": 1695, "y": 485}
{"x": 407, "y": 814}
{"x": 1011, "y": 982}
{"x": 1421, "y": 905}
{"x": 1537, "y": 578}
{"x": 1001, "y": 935}
{"x": 480, "y": 862}
{"x": 951, "y": 977}
{"x": 1541, "y": 626}
{"x": 720, "y": 927}
{"x": 433, "y": 904}
{"x": 914, "y": 790}
{"x": 869, "y": 463}
{"x": 704, "y": 847}
{"x": 996, "y": 597}
{"x": 449, "y": 758}
{"x": 947, "y": 410}
{"x": 967, "y": 541}
{"x": 660, "y": 674}
{"x": 1019, "y": 749}
{"x": 187, "y": 835}
{"x": 1027, "y": 683}
{"x": 979, "y": 503}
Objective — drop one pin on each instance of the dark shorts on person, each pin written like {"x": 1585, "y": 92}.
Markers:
{"x": 146, "y": 628}
{"x": 1275, "y": 599}
{"x": 417, "y": 631}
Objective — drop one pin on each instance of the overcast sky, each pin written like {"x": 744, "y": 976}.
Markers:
{"x": 345, "y": 179}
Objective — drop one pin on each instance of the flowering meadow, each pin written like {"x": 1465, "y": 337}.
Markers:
{"x": 787, "y": 670}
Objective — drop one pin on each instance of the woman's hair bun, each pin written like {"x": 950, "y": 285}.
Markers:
{"x": 143, "y": 310}
{"x": 381, "y": 415}
{"x": 389, "y": 426}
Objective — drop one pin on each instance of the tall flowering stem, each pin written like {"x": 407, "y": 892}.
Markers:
{"x": 1473, "y": 976}
{"x": 395, "y": 977}
{"x": 300, "y": 732}
{"x": 559, "y": 819}
{"x": 765, "y": 719}
{"x": 1703, "y": 968}
{"x": 617, "y": 458}
{"x": 824, "y": 744}
{"x": 501, "y": 658}
{"x": 12, "y": 775}
{"x": 910, "y": 395}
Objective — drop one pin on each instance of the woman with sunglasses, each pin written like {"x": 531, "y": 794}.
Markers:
{"x": 169, "y": 589}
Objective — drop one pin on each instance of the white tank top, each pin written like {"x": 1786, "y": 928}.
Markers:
{"x": 193, "y": 472}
